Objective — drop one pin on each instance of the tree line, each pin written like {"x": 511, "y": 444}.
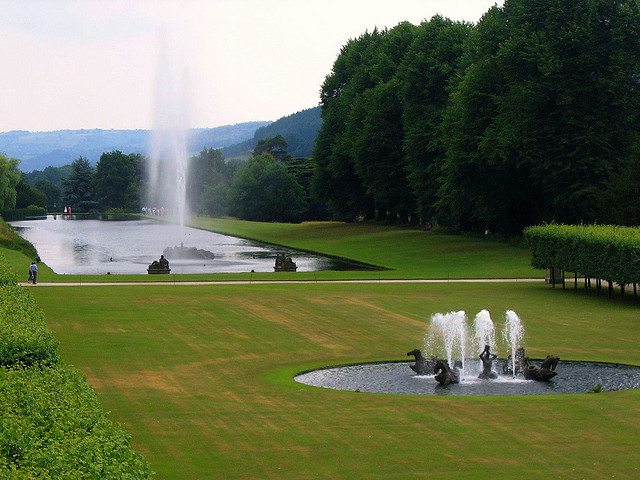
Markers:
{"x": 530, "y": 115}
{"x": 270, "y": 186}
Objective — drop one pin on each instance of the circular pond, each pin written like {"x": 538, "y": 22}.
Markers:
{"x": 397, "y": 377}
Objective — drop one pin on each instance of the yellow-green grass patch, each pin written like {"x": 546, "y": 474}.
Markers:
{"x": 202, "y": 376}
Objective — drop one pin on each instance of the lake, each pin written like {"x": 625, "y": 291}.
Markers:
{"x": 73, "y": 244}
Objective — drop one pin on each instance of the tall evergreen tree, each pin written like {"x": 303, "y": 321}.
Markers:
{"x": 336, "y": 183}
{"x": 469, "y": 179}
{"x": 432, "y": 60}
{"x": 115, "y": 184}
{"x": 360, "y": 166}
{"x": 520, "y": 119}
{"x": 377, "y": 151}
{"x": 77, "y": 186}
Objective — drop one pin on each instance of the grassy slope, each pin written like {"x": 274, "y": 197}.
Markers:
{"x": 410, "y": 253}
{"x": 202, "y": 377}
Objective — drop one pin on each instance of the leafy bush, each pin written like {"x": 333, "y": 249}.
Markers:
{"x": 7, "y": 275}
{"x": 21, "y": 213}
{"x": 51, "y": 424}
{"x": 262, "y": 190}
{"x": 24, "y": 337}
{"x": 52, "y": 427}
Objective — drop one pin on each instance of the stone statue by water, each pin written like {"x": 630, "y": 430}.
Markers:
{"x": 160, "y": 266}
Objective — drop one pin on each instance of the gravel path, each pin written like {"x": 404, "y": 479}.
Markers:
{"x": 265, "y": 282}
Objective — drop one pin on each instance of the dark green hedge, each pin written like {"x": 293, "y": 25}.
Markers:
{"x": 22, "y": 213}
{"x": 606, "y": 252}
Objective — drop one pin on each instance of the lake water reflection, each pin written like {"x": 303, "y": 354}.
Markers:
{"x": 75, "y": 245}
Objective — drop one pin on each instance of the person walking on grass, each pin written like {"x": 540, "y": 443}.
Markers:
{"x": 34, "y": 272}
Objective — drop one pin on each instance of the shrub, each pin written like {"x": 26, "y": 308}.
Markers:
{"x": 52, "y": 427}
{"x": 605, "y": 252}
{"x": 7, "y": 275}
{"x": 51, "y": 424}
{"x": 22, "y": 213}
{"x": 24, "y": 337}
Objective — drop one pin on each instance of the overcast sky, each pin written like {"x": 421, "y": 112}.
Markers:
{"x": 71, "y": 64}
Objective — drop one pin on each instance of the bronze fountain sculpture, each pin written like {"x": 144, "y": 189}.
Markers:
{"x": 444, "y": 374}
{"x": 542, "y": 373}
{"x": 422, "y": 366}
{"x": 159, "y": 266}
{"x": 284, "y": 264}
{"x": 487, "y": 362}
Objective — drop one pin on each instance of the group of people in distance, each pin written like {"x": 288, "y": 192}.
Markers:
{"x": 156, "y": 211}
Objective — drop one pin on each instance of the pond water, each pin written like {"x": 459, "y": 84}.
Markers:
{"x": 72, "y": 244}
{"x": 397, "y": 377}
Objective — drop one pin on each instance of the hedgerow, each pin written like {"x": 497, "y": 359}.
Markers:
{"x": 52, "y": 427}
{"x": 606, "y": 252}
{"x": 51, "y": 424}
{"x": 24, "y": 337}
{"x": 7, "y": 275}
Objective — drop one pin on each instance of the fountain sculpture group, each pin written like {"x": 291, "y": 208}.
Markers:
{"x": 190, "y": 253}
{"x": 451, "y": 329}
{"x": 462, "y": 358}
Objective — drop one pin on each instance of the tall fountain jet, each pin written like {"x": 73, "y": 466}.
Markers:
{"x": 485, "y": 331}
{"x": 167, "y": 167}
{"x": 512, "y": 334}
{"x": 451, "y": 329}
{"x": 449, "y": 333}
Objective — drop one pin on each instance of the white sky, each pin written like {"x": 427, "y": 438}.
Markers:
{"x": 70, "y": 64}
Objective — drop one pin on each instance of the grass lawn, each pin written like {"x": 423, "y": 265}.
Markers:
{"x": 407, "y": 252}
{"x": 202, "y": 376}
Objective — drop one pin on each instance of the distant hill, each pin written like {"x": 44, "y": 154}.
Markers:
{"x": 299, "y": 130}
{"x": 38, "y": 150}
